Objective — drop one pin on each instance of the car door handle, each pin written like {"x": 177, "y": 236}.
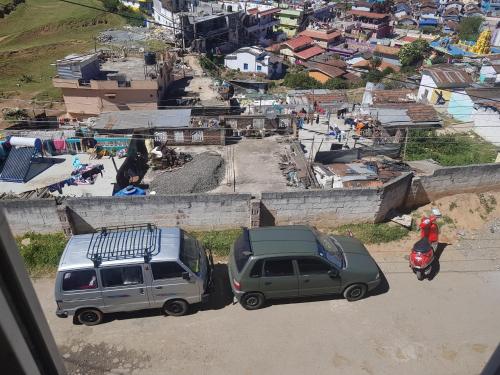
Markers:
{"x": 268, "y": 283}
{"x": 141, "y": 290}
{"x": 158, "y": 287}
{"x": 307, "y": 280}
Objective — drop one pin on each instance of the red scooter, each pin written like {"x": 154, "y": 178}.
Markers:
{"x": 422, "y": 254}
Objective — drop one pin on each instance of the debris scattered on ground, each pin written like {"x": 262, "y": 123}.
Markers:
{"x": 167, "y": 158}
{"x": 435, "y": 211}
{"x": 203, "y": 173}
{"x": 404, "y": 220}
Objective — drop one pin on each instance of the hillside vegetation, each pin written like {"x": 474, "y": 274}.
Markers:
{"x": 36, "y": 34}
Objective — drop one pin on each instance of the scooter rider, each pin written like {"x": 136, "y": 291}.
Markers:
{"x": 430, "y": 230}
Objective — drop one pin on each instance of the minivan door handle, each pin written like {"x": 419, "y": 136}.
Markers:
{"x": 141, "y": 290}
{"x": 268, "y": 283}
{"x": 158, "y": 287}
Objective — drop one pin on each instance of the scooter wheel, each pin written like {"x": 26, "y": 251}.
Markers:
{"x": 420, "y": 275}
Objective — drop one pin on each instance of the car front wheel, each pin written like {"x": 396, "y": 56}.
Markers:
{"x": 176, "y": 307}
{"x": 89, "y": 317}
{"x": 252, "y": 301}
{"x": 355, "y": 292}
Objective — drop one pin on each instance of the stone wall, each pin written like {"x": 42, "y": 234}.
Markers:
{"x": 453, "y": 180}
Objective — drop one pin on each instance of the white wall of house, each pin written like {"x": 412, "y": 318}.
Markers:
{"x": 487, "y": 124}
{"x": 165, "y": 17}
{"x": 131, "y": 3}
{"x": 427, "y": 86}
{"x": 247, "y": 62}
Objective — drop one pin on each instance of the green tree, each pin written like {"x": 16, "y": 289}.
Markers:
{"x": 413, "y": 53}
{"x": 336, "y": 84}
{"x": 301, "y": 80}
{"x": 469, "y": 28}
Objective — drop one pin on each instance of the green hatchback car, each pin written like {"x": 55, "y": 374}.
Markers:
{"x": 295, "y": 261}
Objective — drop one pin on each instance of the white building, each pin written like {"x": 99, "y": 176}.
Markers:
{"x": 439, "y": 81}
{"x": 253, "y": 60}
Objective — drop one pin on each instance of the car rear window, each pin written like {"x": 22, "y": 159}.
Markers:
{"x": 242, "y": 250}
{"x": 79, "y": 280}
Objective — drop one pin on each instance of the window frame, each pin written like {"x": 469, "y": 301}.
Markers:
{"x": 82, "y": 289}
{"x": 167, "y": 278}
{"x": 318, "y": 259}
{"x": 290, "y": 259}
{"x": 103, "y": 279}
{"x": 245, "y": 66}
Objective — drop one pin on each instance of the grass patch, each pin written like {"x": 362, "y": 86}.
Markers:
{"x": 488, "y": 203}
{"x": 373, "y": 233}
{"x": 219, "y": 241}
{"x": 449, "y": 149}
{"x": 453, "y": 205}
{"x": 40, "y": 31}
{"x": 41, "y": 252}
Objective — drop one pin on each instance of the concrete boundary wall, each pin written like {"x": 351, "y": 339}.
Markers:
{"x": 453, "y": 180}
{"x": 223, "y": 211}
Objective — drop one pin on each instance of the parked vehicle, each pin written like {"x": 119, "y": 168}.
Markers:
{"x": 421, "y": 258}
{"x": 131, "y": 268}
{"x": 293, "y": 261}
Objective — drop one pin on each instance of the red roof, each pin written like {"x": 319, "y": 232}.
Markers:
{"x": 409, "y": 39}
{"x": 321, "y": 35}
{"x": 297, "y": 42}
{"x": 309, "y": 52}
{"x": 253, "y": 11}
{"x": 366, "y": 14}
{"x": 269, "y": 11}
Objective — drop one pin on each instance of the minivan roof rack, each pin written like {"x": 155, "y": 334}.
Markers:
{"x": 124, "y": 242}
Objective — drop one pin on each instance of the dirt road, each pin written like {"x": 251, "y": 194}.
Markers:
{"x": 445, "y": 326}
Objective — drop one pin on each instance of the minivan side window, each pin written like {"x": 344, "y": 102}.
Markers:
{"x": 279, "y": 267}
{"x": 166, "y": 270}
{"x": 309, "y": 266}
{"x": 79, "y": 280}
{"x": 257, "y": 269}
{"x": 118, "y": 276}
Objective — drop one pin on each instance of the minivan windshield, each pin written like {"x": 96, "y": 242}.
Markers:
{"x": 190, "y": 253}
{"x": 329, "y": 249}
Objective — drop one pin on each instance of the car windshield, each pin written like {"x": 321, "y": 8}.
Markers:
{"x": 329, "y": 250}
{"x": 190, "y": 253}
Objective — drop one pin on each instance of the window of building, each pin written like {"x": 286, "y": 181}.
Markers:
{"x": 179, "y": 136}
{"x": 118, "y": 276}
{"x": 281, "y": 267}
{"x": 245, "y": 66}
{"x": 259, "y": 68}
{"x": 309, "y": 266}
{"x": 166, "y": 270}
{"x": 79, "y": 280}
{"x": 197, "y": 136}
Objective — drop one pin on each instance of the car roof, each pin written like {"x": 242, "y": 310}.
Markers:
{"x": 283, "y": 240}
{"x": 75, "y": 253}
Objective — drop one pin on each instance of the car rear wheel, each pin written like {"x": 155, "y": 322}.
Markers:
{"x": 176, "y": 307}
{"x": 89, "y": 317}
{"x": 252, "y": 301}
{"x": 355, "y": 292}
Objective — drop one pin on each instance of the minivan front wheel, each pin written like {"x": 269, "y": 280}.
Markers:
{"x": 355, "y": 292}
{"x": 252, "y": 301}
{"x": 89, "y": 317}
{"x": 177, "y": 307}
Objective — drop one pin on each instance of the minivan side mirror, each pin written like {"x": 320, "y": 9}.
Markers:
{"x": 333, "y": 273}
{"x": 185, "y": 276}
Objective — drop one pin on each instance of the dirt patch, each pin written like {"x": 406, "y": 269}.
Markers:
{"x": 96, "y": 359}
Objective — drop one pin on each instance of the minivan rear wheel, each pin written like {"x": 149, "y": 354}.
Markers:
{"x": 252, "y": 301}
{"x": 177, "y": 307}
{"x": 89, "y": 317}
{"x": 355, "y": 292}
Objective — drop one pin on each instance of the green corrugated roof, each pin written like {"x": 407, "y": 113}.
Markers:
{"x": 281, "y": 240}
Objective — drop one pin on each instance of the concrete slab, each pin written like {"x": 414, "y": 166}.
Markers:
{"x": 61, "y": 171}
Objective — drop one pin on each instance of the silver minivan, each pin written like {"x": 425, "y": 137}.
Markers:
{"x": 131, "y": 268}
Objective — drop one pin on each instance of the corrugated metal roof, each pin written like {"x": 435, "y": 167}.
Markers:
{"x": 129, "y": 120}
{"x": 445, "y": 76}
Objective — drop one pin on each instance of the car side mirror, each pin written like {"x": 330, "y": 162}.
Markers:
{"x": 185, "y": 276}
{"x": 333, "y": 273}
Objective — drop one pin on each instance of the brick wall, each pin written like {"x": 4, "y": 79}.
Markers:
{"x": 37, "y": 215}
{"x": 201, "y": 212}
{"x": 453, "y": 180}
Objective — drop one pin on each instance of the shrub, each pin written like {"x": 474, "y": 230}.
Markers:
{"x": 41, "y": 252}
{"x": 218, "y": 241}
{"x": 373, "y": 233}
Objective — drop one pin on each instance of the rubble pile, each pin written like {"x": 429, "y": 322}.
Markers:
{"x": 204, "y": 173}
{"x": 167, "y": 158}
